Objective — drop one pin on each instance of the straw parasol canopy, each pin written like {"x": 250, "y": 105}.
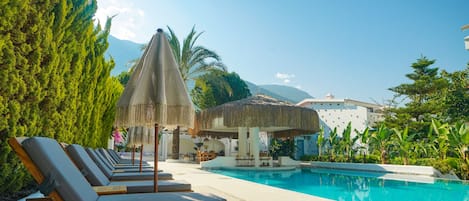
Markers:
{"x": 278, "y": 117}
{"x": 155, "y": 94}
{"x": 140, "y": 135}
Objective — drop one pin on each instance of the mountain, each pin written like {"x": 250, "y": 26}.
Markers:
{"x": 280, "y": 92}
{"x": 124, "y": 51}
{"x": 291, "y": 93}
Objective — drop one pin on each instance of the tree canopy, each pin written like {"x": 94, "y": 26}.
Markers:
{"x": 218, "y": 87}
{"x": 422, "y": 96}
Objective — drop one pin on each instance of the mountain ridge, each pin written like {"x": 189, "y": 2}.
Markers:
{"x": 124, "y": 52}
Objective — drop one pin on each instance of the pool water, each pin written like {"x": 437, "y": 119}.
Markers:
{"x": 352, "y": 185}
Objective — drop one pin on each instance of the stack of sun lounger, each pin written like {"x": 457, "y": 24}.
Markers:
{"x": 79, "y": 173}
{"x": 101, "y": 156}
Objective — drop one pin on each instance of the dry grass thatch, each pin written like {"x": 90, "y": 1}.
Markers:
{"x": 259, "y": 111}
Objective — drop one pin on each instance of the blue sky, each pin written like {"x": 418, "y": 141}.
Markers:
{"x": 352, "y": 49}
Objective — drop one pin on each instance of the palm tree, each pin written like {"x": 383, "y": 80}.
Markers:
{"x": 193, "y": 60}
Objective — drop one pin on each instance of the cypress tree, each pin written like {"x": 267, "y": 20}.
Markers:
{"x": 55, "y": 81}
{"x": 25, "y": 35}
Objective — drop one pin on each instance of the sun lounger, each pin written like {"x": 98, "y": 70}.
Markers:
{"x": 107, "y": 160}
{"x": 97, "y": 178}
{"x": 104, "y": 153}
{"x": 116, "y": 156}
{"x": 59, "y": 179}
{"x": 116, "y": 175}
{"x": 119, "y": 160}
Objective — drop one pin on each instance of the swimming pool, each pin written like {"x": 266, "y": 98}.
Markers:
{"x": 352, "y": 185}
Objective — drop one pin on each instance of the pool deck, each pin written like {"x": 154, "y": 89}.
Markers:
{"x": 229, "y": 188}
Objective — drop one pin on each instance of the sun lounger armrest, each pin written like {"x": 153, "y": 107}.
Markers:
{"x": 117, "y": 171}
{"x": 118, "y": 165}
{"x": 108, "y": 190}
{"x": 39, "y": 199}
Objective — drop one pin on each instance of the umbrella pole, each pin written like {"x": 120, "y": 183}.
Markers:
{"x": 133, "y": 155}
{"x": 155, "y": 175}
{"x": 141, "y": 157}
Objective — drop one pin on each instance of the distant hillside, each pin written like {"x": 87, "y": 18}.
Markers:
{"x": 285, "y": 93}
{"x": 292, "y": 93}
{"x": 122, "y": 51}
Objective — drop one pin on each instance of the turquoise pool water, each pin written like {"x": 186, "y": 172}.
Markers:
{"x": 350, "y": 185}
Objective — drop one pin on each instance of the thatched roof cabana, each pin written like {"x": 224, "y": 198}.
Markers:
{"x": 278, "y": 117}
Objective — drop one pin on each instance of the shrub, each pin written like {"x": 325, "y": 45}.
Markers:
{"x": 445, "y": 166}
{"x": 308, "y": 158}
{"x": 424, "y": 161}
{"x": 340, "y": 158}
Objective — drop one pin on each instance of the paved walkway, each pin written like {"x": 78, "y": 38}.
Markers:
{"x": 230, "y": 188}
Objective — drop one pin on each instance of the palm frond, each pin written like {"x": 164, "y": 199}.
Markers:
{"x": 193, "y": 60}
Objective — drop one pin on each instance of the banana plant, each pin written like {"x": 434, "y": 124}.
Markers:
{"x": 420, "y": 149}
{"x": 380, "y": 141}
{"x": 347, "y": 142}
{"x": 403, "y": 143}
{"x": 459, "y": 140}
{"x": 441, "y": 140}
{"x": 321, "y": 141}
{"x": 363, "y": 138}
{"x": 333, "y": 141}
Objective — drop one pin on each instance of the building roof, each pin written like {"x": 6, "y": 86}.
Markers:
{"x": 307, "y": 101}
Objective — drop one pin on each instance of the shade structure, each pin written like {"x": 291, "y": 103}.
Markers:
{"x": 155, "y": 94}
{"x": 278, "y": 117}
{"x": 139, "y": 135}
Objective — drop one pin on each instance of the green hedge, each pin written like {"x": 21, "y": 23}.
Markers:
{"x": 55, "y": 81}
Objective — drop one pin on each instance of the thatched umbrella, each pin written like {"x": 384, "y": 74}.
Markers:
{"x": 155, "y": 94}
{"x": 139, "y": 136}
{"x": 262, "y": 112}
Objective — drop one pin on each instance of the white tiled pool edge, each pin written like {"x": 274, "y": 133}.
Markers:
{"x": 385, "y": 168}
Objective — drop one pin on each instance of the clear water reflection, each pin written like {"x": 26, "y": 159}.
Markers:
{"x": 355, "y": 186}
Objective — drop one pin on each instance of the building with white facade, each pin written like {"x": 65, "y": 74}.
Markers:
{"x": 337, "y": 113}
